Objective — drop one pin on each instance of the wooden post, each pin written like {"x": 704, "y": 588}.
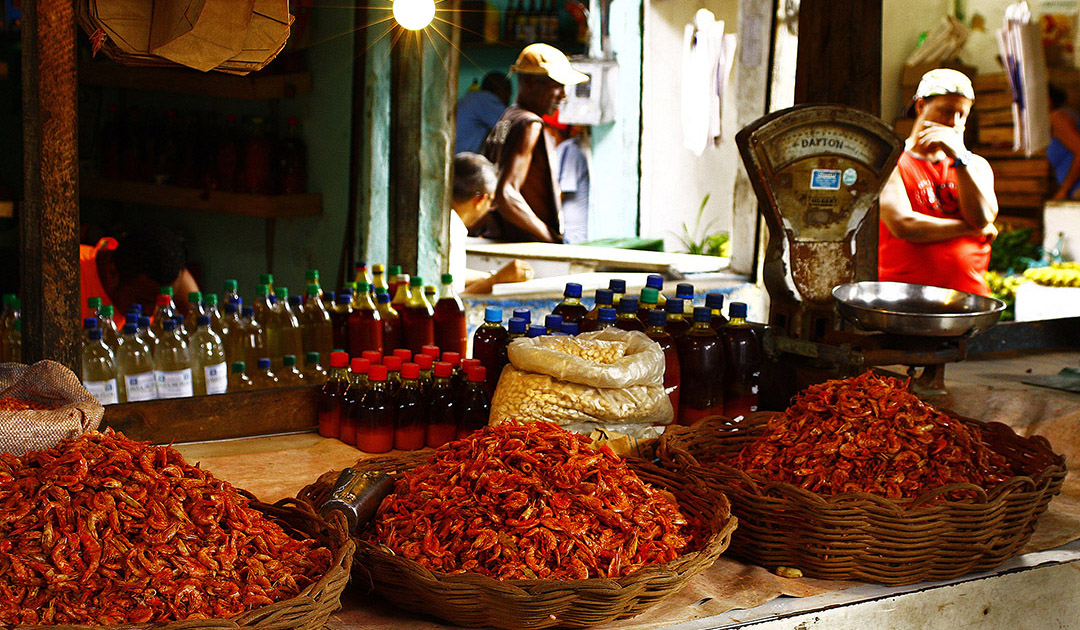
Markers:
{"x": 49, "y": 218}
{"x": 406, "y": 138}
{"x": 355, "y": 229}
{"x": 840, "y": 62}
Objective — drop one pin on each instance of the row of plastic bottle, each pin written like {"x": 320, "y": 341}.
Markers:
{"x": 402, "y": 401}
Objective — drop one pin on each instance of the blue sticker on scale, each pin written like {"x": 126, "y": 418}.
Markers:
{"x": 824, "y": 179}
{"x": 850, "y": 176}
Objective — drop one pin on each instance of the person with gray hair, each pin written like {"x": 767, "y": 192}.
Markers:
{"x": 473, "y": 190}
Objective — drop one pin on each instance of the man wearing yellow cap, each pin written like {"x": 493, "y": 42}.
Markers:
{"x": 527, "y": 193}
{"x": 938, "y": 207}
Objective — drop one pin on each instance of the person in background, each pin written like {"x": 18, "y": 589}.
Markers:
{"x": 1064, "y": 146}
{"x": 938, "y": 206}
{"x": 132, "y": 270}
{"x": 573, "y": 155}
{"x": 478, "y": 111}
{"x": 527, "y": 201}
{"x": 474, "y": 189}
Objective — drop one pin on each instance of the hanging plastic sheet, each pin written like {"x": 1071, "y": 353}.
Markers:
{"x": 1020, "y": 41}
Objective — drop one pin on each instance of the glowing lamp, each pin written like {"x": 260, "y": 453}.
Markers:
{"x": 414, "y": 14}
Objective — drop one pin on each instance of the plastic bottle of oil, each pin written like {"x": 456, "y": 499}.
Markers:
{"x": 604, "y": 299}
{"x": 329, "y": 407}
{"x": 571, "y": 309}
{"x": 264, "y": 377}
{"x": 135, "y": 367}
{"x": 418, "y": 317}
{"x": 171, "y": 364}
{"x": 412, "y": 411}
{"x": 657, "y": 333}
{"x": 391, "y": 320}
{"x": 238, "y": 380}
{"x": 99, "y": 369}
{"x": 701, "y": 367}
{"x": 316, "y": 327}
{"x": 742, "y": 358}
{"x": 209, "y": 371}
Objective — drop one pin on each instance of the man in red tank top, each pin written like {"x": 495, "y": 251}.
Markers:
{"x": 938, "y": 207}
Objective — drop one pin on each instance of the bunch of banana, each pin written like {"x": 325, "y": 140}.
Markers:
{"x": 1063, "y": 274}
{"x": 1003, "y": 287}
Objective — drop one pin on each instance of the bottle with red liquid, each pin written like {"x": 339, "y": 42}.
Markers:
{"x": 339, "y": 318}
{"x": 571, "y": 309}
{"x": 258, "y": 159}
{"x": 365, "y": 323}
{"x": 626, "y": 317}
{"x": 393, "y": 373}
{"x": 457, "y": 377}
{"x": 450, "y": 331}
{"x": 672, "y": 376}
{"x": 375, "y": 414}
{"x": 418, "y": 318}
{"x": 742, "y": 358}
{"x": 404, "y": 354}
{"x": 604, "y": 299}
{"x": 676, "y": 324}
{"x": 328, "y": 409}
{"x": 374, "y": 357}
{"x": 391, "y": 320}
{"x": 701, "y": 366}
{"x": 489, "y": 345}
{"x": 475, "y": 403}
{"x": 715, "y": 303}
{"x": 431, "y": 350}
{"x": 442, "y": 408}
{"x": 426, "y": 363}
{"x": 358, "y": 369}
{"x": 412, "y": 411}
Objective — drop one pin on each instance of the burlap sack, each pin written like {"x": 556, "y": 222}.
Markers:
{"x": 50, "y": 383}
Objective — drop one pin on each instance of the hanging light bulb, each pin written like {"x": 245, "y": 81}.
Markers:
{"x": 414, "y": 14}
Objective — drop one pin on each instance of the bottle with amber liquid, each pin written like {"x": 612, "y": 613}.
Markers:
{"x": 412, "y": 411}
{"x": 475, "y": 403}
{"x": 618, "y": 290}
{"x": 314, "y": 372}
{"x": 676, "y": 323}
{"x": 316, "y": 326}
{"x": 375, "y": 414}
{"x": 571, "y": 309}
{"x": 329, "y": 407}
{"x": 649, "y": 301}
{"x": 399, "y": 287}
{"x": 418, "y": 318}
{"x": 626, "y": 317}
{"x": 604, "y": 299}
{"x": 685, "y": 292}
{"x": 715, "y": 303}
{"x": 339, "y": 318}
{"x": 742, "y": 359}
{"x": 442, "y": 407}
{"x": 365, "y": 323}
{"x": 517, "y": 328}
{"x": 391, "y": 320}
{"x": 450, "y": 330}
{"x": 378, "y": 278}
{"x": 606, "y": 318}
{"x": 553, "y": 324}
{"x": 701, "y": 366}
{"x": 672, "y": 377}
{"x": 238, "y": 380}
{"x": 656, "y": 281}
{"x": 489, "y": 345}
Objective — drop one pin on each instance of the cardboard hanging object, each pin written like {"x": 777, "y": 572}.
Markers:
{"x": 266, "y": 36}
{"x": 200, "y": 34}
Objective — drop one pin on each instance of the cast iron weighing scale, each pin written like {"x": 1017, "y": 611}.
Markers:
{"x": 817, "y": 171}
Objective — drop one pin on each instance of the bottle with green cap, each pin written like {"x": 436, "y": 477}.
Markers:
{"x": 135, "y": 366}
{"x": 268, "y": 280}
{"x": 99, "y": 369}
{"x": 418, "y": 318}
{"x": 264, "y": 314}
{"x": 311, "y": 277}
{"x": 238, "y": 380}
{"x": 209, "y": 368}
{"x": 195, "y": 309}
{"x": 171, "y": 364}
{"x": 164, "y": 310}
{"x": 287, "y": 325}
{"x": 213, "y": 309}
{"x": 94, "y": 305}
{"x": 290, "y": 375}
{"x": 110, "y": 333}
{"x": 314, "y": 372}
{"x": 448, "y": 318}
{"x": 231, "y": 293}
{"x": 316, "y": 328}
{"x": 650, "y": 298}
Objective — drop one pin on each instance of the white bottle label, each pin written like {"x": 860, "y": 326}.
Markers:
{"x": 140, "y": 386}
{"x": 105, "y": 391}
{"x": 174, "y": 384}
{"x": 217, "y": 378}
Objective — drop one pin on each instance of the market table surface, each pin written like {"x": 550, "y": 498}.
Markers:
{"x": 732, "y": 594}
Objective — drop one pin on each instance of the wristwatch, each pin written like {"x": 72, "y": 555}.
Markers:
{"x": 961, "y": 161}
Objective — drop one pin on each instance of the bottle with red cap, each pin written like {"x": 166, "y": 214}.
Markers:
{"x": 374, "y": 357}
{"x": 412, "y": 411}
{"x": 431, "y": 350}
{"x": 450, "y": 330}
{"x": 442, "y": 407}
{"x": 467, "y": 365}
{"x": 418, "y": 317}
{"x": 475, "y": 404}
{"x": 375, "y": 414}
{"x": 393, "y": 373}
{"x": 657, "y": 333}
{"x": 365, "y": 323}
{"x": 489, "y": 345}
{"x": 425, "y": 362}
{"x": 328, "y": 409}
{"x": 404, "y": 354}
{"x": 358, "y": 381}
{"x": 454, "y": 359}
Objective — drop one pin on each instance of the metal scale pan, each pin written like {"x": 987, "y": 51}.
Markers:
{"x": 916, "y": 310}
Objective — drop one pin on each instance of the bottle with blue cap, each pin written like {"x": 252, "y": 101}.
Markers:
{"x": 254, "y": 339}
{"x": 605, "y": 318}
{"x": 263, "y": 377}
{"x": 626, "y": 317}
{"x": 339, "y": 317}
{"x": 603, "y": 299}
{"x": 172, "y": 367}
{"x": 489, "y": 345}
{"x": 701, "y": 367}
{"x": 517, "y": 327}
{"x": 569, "y": 328}
{"x": 209, "y": 368}
{"x": 536, "y": 331}
{"x": 715, "y": 303}
{"x": 553, "y": 323}
{"x": 525, "y": 314}
{"x": 656, "y": 281}
{"x": 672, "y": 374}
{"x": 742, "y": 360}
{"x": 146, "y": 333}
{"x": 571, "y": 309}
{"x": 99, "y": 367}
{"x": 685, "y": 292}
{"x": 675, "y": 322}
{"x": 89, "y": 323}
{"x": 135, "y": 366}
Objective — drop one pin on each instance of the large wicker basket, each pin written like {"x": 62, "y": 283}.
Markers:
{"x": 474, "y": 600}
{"x": 309, "y": 610}
{"x": 858, "y": 536}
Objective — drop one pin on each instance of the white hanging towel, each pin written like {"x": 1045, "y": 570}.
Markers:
{"x": 724, "y": 63}
{"x": 702, "y": 47}
{"x": 1020, "y": 40}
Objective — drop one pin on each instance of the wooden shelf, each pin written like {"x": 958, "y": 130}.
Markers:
{"x": 244, "y": 204}
{"x": 183, "y": 81}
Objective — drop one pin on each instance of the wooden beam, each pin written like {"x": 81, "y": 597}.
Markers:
{"x": 49, "y": 218}
{"x": 406, "y": 144}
